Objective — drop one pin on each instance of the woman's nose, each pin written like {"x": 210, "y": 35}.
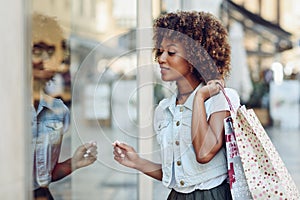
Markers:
{"x": 162, "y": 57}
{"x": 45, "y": 55}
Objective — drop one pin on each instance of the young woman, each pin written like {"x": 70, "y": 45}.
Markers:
{"x": 192, "y": 50}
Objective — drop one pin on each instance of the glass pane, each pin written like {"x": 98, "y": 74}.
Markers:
{"x": 90, "y": 45}
{"x": 52, "y": 97}
{"x": 73, "y": 40}
{"x": 104, "y": 103}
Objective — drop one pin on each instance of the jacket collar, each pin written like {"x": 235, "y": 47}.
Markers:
{"x": 171, "y": 101}
{"x": 47, "y": 102}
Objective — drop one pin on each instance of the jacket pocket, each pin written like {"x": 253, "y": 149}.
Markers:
{"x": 55, "y": 131}
{"x": 185, "y": 134}
{"x": 159, "y": 128}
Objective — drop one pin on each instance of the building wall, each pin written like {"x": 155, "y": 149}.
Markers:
{"x": 14, "y": 84}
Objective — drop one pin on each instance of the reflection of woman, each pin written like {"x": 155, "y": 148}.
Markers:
{"x": 50, "y": 43}
{"x": 192, "y": 50}
{"x": 50, "y": 116}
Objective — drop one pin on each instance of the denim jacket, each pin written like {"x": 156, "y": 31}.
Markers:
{"x": 172, "y": 124}
{"x": 49, "y": 123}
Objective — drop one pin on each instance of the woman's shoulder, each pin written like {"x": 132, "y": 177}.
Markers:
{"x": 166, "y": 102}
{"x": 220, "y": 98}
{"x": 233, "y": 96}
{"x": 162, "y": 106}
{"x": 230, "y": 92}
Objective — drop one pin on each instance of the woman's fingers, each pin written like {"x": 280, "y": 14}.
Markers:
{"x": 220, "y": 82}
{"x": 124, "y": 153}
{"x": 119, "y": 152}
{"x": 215, "y": 82}
{"x": 90, "y": 149}
{"x": 215, "y": 85}
{"x": 123, "y": 146}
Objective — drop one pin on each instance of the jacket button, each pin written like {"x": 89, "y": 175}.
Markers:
{"x": 178, "y": 162}
{"x": 177, "y": 123}
{"x": 177, "y": 142}
{"x": 181, "y": 183}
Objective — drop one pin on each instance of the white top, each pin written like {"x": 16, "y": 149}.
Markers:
{"x": 172, "y": 124}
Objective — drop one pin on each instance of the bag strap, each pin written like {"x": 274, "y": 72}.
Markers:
{"x": 226, "y": 97}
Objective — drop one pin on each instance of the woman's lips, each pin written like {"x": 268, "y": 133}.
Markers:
{"x": 39, "y": 66}
{"x": 164, "y": 69}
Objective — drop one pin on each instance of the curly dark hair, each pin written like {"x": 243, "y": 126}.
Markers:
{"x": 204, "y": 38}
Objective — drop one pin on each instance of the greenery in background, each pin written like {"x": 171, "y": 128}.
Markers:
{"x": 158, "y": 93}
{"x": 259, "y": 96}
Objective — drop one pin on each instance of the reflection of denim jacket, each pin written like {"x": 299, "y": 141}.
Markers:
{"x": 172, "y": 124}
{"x": 48, "y": 125}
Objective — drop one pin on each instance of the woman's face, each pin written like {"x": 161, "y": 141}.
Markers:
{"x": 42, "y": 64}
{"x": 172, "y": 61}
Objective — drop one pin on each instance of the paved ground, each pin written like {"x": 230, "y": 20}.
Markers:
{"x": 106, "y": 180}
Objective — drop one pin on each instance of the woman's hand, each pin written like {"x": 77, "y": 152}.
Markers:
{"x": 84, "y": 155}
{"x": 125, "y": 154}
{"x": 212, "y": 88}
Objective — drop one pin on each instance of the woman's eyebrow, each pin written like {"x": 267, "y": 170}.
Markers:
{"x": 169, "y": 45}
{"x": 172, "y": 45}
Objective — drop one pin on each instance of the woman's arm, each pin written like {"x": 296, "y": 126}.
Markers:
{"x": 84, "y": 155}
{"x": 207, "y": 136}
{"x": 62, "y": 170}
{"x": 127, "y": 156}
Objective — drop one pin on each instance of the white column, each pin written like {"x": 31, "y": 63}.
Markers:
{"x": 145, "y": 91}
{"x": 15, "y": 132}
{"x": 156, "y": 8}
{"x": 203, "y": 5}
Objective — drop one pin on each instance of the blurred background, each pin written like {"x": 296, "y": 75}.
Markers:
{"x": 112, "y": 85}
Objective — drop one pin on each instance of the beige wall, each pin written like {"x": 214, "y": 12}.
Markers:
{"x": 14, "y": 154}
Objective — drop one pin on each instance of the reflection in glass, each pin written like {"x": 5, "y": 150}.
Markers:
{"x": 50, "y": 114}
{"x": 100, "y": 52}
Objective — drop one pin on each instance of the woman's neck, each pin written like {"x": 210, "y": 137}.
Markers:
{"x": 37, "y": 88}
{"x": 187, "y": 86}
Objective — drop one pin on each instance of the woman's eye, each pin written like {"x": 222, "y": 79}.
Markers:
{"x": 171, "y": 53}
{"x": 159, "y": 52}
{"x": 37, "y": 51}
{"x": 50, "y": 51}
